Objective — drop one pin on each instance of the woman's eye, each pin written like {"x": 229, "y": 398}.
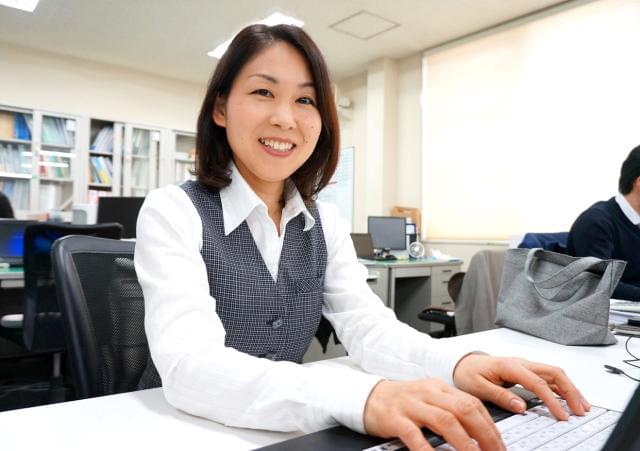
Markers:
{"x": 262, "y": 92}
{"x": 306, "y": 101}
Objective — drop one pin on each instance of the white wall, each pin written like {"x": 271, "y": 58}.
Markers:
{"x": 35, "y": 79}
{"x": 353, "y": 132}
{"x": 392, "y": 138}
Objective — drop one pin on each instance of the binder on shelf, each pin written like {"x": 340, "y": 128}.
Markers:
{"x": 15, "y": 125}
{"x": 103, "y": 142}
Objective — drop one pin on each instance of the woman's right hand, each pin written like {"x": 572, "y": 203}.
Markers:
{"x": 400, "y": 409}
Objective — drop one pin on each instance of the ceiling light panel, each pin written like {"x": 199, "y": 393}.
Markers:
{"x": 364, "y": 25}
{"x": 25, "y": 5}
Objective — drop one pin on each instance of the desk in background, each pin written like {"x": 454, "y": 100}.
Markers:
{"x": 406, "y": 286}
{"x": 409, "y": 286}
{"x": 12, "y": 277}
{"x": 144, "y": 419}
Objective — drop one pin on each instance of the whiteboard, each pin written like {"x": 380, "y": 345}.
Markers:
{"x": 339, "y": 191}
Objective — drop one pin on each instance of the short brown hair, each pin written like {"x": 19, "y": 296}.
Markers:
{"x": 213, "y": 151}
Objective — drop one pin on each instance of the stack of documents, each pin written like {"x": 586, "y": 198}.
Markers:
{"x": 620, "y": 311}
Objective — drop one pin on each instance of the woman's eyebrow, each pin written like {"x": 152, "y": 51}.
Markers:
{"x": 270, "y": 79}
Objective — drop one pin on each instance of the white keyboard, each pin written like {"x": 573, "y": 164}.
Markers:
{"x": 537, "y": 429}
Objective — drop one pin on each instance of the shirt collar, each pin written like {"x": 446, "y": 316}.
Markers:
{"x": 628, "y": 210}
{"x": 239, "y": 201}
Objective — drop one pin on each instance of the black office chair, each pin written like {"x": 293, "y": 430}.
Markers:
{"x": 41, "y": 324}
{"x": 103, "y": 312}
{"x": 445, "y": 316}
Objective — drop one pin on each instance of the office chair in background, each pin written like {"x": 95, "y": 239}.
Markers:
{"x": 475, "y": 294}
{"x": 40, "y": 323}
{"x": 103, "y": 313}
{"x": 445, "y": 316}
{"x": 555, "y": 242}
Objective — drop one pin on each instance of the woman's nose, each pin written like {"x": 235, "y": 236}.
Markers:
{"x": 283, "y": 116}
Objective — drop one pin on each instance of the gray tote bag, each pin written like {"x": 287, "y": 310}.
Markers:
{"x": 557, "y": 297}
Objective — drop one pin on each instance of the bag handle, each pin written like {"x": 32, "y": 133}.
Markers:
{"x": 564, "y": 275}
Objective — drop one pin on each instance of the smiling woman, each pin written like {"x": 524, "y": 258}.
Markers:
{"x": 298, "y": 91}
{"x": 239, "y": 267}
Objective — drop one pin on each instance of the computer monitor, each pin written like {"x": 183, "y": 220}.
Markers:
{"x": 388, "y": 232}
{"x": 12, "y": 240}
{"x": 123, "y": 210}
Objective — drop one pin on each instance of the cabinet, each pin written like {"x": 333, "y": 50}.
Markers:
{"x": 16, "y": 157}
{"x": 183, "y": 157}
{"x": 141, "y": 160}
{"x": 38, "y": 160}
{"x": 49, "y": 161}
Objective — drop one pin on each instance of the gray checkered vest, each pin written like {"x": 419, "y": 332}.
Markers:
{"x": 263, "y": 318}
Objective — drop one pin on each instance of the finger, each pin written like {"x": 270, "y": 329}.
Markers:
{"x": 519, "y": 373}
{"x": 412, "y": 436}
{"x": 562, "y": 385}
{"x": 446, "y": 424}
{"x": 475, "y": 419}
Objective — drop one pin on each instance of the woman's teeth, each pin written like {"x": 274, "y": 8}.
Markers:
{"x": 276, "y": 145}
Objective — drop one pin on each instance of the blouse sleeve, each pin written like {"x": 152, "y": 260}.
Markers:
{"x": 202, "y": 376}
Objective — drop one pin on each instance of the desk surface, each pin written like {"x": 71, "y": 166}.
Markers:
{"x": 144, "y": 420}
{"x": 427, "y": 261}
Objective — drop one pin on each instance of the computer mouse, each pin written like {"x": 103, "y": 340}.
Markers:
{"x": 390, "y": 257}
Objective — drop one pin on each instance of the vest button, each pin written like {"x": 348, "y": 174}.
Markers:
{"x": 270, "y": 356}
{"x": 277, "y": 323}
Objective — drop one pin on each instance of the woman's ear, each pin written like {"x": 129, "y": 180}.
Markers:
{"x": 219, "y": 110}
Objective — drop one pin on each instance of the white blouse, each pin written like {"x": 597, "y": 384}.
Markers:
{"x": 203, "y": 377}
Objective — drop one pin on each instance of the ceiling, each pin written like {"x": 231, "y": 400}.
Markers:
{"x": 172, "y": 38}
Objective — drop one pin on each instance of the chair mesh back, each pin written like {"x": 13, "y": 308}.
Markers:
{"x": 116, "y": 309}
{"x": 42, "y": 325}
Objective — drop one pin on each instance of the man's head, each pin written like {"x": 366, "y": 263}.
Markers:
{"x": 630, "y": 172}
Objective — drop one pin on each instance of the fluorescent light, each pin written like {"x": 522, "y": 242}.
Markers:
{"x": 25, "y": 5}
{"x": 273, "y": 19}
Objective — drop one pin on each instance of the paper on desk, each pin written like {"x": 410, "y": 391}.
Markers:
{"x": 435, "y": 253}
{"x": 620, "y": 311}
{"x": 619, "y": 305}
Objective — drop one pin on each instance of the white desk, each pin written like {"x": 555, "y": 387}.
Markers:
{"x": 409, "y": 286}
{"x": 144, "y": 420}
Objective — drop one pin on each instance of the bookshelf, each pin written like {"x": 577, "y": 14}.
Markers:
{"x": 184, "y": 156}
{"x": 141, "y": 159}
{"x": 49, "y": 161}
{"x": 16, "y": 155}
{"x": 104, "y": 158}
{"x": 54, "y": 162}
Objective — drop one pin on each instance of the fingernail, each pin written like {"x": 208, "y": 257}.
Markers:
{"x": 517, "y": 404}
{"x": 472, "y": 446}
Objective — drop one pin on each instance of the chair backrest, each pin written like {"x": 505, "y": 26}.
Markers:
{"x": 477, "y": 300}
{"x": 41, "y": 325}
{"x": 103, "y": 313}
{"x": 555, "y": 242}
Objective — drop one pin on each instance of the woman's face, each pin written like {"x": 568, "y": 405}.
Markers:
{"x": 270, "y": 116}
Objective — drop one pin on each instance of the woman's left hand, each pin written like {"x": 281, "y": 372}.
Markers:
{"x": 486, "y": 376}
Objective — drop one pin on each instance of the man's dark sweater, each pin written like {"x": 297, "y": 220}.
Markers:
{"x": 604, "y": 231}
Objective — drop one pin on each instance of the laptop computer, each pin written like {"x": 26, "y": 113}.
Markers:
{"x": 536, "y": 429}
{"x": 12, "y": 240}
{"x": 363, "y": 243}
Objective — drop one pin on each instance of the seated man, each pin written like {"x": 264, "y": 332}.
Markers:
{"x": 611, "y": 229}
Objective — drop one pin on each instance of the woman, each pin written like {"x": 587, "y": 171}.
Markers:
{"x": 238, "y": 267}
